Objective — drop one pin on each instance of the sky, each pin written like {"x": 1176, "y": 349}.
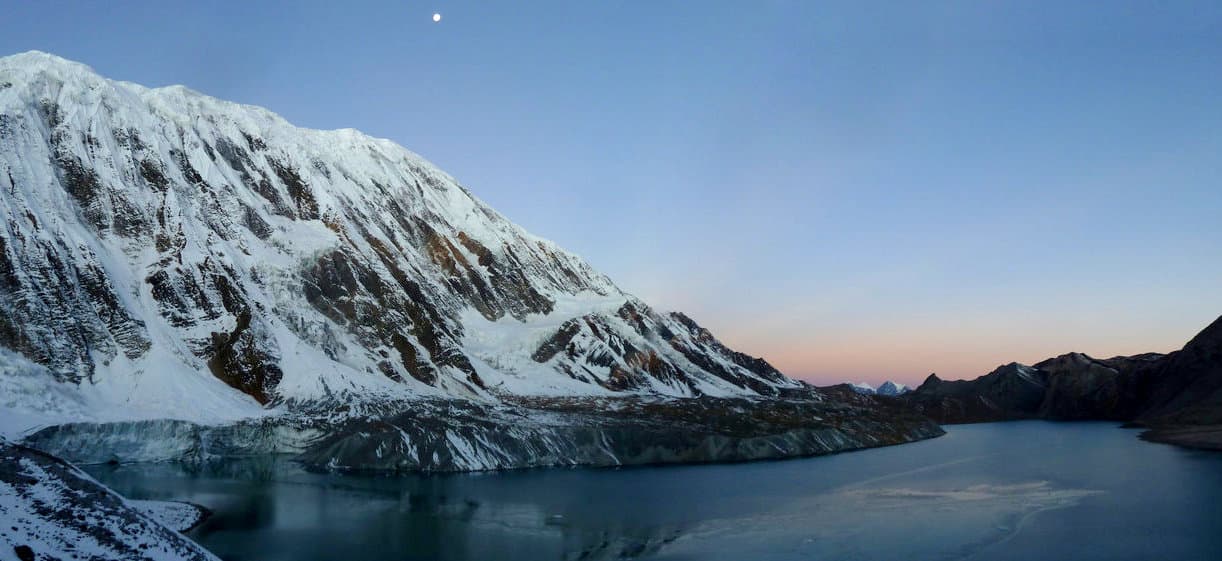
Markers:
{"x": 852, "y": 190}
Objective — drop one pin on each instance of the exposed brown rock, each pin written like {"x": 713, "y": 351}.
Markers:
{"x": 238, "y": 360}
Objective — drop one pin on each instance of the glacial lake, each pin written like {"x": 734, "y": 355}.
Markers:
{"x": 1000, "y": 491}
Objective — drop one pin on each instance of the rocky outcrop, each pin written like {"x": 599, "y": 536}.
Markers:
{"x": 1200, "y": 437}
{"x": 1012, "y": 391}
{"x": 644, "y": 350}
{"x": 1185, "y": 387}
{"x": 1082, "y": 387}
{"x": 51, "y": 510}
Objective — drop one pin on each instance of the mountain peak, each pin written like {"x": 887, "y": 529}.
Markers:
{"x": 49, "y": 77}
{"x": 1209, "y": 339}
{"x": 42, "y": 59}
{"x": 892, "y": 388}
{"x": 31, "y": 64}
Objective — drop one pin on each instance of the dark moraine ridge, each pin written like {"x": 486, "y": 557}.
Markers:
{"x": 459, "y": 435}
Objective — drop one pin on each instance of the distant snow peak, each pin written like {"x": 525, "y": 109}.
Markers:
{"x": 887, "y": 388}
{"x": 892, "y": 388}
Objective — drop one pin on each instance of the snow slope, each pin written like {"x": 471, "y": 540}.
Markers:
{"x": 55, "y": 511}
{"x": 166, "y": 254}
{"x": 175, "y": 515}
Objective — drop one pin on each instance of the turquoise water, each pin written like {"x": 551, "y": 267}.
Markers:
{"x": 1001, "y": 491}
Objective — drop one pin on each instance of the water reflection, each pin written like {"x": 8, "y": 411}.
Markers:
{"x": 1006, "y": 491}
{"x": 269, "y": 508}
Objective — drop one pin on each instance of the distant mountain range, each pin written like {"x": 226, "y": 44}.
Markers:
{"x": 1177, "y": 395}
{"x": 887, "y": 388}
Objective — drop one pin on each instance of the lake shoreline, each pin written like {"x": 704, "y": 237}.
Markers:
{"x": 1196, "y": 437}
{"x": 995, "y": 491}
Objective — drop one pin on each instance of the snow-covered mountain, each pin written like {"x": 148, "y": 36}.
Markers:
{"x": 168, "y": 254}
{"x": 892, "y": 388}
{"x": 887, "y": 388}
{"x": 862, "y": 387}
{"x": 184, "y": 278}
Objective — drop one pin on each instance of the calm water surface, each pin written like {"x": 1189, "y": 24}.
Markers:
{"x": 1003, "y": 491}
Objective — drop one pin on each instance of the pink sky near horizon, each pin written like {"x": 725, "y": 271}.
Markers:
{"x": 825, "y": 355}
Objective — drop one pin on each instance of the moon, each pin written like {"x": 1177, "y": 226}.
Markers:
{"x": 436, "y": 17}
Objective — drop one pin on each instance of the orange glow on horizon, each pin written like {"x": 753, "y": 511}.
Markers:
{"x": 909, "y": 357}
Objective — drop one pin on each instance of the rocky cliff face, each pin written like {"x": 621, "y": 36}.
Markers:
{"x": 1012, "y": 391}
{"x": 1185, "y": 387}
{"x": 1084, "y": 387}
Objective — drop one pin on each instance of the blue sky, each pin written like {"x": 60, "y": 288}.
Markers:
{"x": 851, "y": 190}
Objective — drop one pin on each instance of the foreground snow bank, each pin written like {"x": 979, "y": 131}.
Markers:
{"x": 51, "y": 510}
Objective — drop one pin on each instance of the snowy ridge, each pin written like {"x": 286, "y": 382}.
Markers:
{"x": 169, "y": 255}
{"x": 862, "y": 387}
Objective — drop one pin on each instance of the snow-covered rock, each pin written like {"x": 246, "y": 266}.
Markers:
{"x": 175, "y": 515}
{"x": 862, "y": 388}
{"x": 51, "y": 510}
